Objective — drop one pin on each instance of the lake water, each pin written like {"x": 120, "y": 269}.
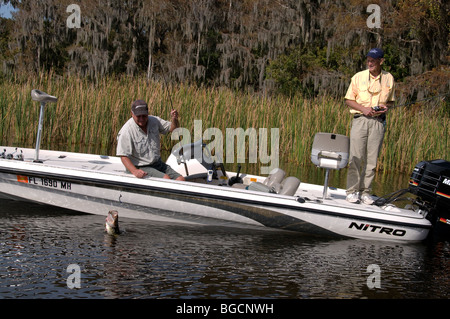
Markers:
{"x": 42, "y": 249}
{"x": 46, "y": 252}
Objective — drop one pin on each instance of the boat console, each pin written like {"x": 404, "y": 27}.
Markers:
{"x": 195, "y": 162}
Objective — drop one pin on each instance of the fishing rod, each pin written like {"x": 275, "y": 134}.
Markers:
{"x": 167, "y": 87}
{"x": 181, "y": 152}
{"x": 422, "y": 100}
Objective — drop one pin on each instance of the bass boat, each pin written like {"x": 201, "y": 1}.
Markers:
{"x": 96, "y": 184}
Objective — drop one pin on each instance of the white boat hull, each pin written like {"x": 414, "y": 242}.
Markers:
{"x": 96, "y": 184}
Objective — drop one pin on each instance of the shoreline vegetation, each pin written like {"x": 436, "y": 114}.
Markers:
{"x": 89, "y": 115}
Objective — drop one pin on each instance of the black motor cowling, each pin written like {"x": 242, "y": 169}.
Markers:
{"x": 430, "y": 182}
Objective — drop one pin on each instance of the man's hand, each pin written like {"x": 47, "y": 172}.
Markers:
{"x": 367, "y": 111}
{"x": 139, "y": 173}
{"x": 375, "y": 111}
{"x": 133, "y": 169}
{"x": 174, "y": 115}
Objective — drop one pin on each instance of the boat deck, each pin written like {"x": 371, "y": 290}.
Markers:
{"x": 113, "y": 166}
{"x": 96, "y": 183}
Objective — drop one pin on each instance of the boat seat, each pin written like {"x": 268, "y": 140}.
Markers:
{"x": 275, "y": 177}
{"x": 272, "y": 183}
{"x": 276, "y": 183}
{"x": 43, "y": 97}
{"x": 330, "y": 151}
{"x": 289, "y": 186}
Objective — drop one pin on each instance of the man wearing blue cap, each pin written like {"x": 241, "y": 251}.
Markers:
{"x": 369, "y": 96}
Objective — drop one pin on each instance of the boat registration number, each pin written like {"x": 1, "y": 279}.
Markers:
{"x": 48, "y": 182}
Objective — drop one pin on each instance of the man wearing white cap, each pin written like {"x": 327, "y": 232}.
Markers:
{"x": 138, "y": 143}
{"x": 369, "y": 96}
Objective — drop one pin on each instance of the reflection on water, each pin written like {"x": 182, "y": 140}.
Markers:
{"x": 152, "y": 260}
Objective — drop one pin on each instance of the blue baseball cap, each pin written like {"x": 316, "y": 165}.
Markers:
{"x": 376, "y": 53}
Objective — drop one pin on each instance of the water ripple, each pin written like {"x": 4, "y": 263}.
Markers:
{"x": 152, "y": 260}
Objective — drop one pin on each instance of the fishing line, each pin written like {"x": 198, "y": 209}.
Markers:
{"x": 181, "y": 152}
{"x": 422, "y": 100}
{"x": 167, "y": 87}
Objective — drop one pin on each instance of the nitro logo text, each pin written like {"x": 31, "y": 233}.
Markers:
{"x": 378, "y": 229}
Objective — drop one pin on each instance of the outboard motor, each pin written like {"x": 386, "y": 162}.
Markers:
{"x": 430, "y": 181}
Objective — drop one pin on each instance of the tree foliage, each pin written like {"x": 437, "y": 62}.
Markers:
{"x": 294, "y": 45}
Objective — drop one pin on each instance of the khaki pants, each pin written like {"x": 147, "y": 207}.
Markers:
{"x": 159, "y": 169}
{"x": 366, "y": 139}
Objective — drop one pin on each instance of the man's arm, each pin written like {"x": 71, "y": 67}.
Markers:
{"x": 367, "y": 111}
{"x": 133, "y": 169}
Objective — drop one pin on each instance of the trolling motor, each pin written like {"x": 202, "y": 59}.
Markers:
{"x": 43, "y": 98}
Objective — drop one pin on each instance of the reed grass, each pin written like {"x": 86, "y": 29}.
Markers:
{"x": 88, "y": 117}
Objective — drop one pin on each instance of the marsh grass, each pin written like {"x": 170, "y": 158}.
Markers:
{"x": 88, "y": 117}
